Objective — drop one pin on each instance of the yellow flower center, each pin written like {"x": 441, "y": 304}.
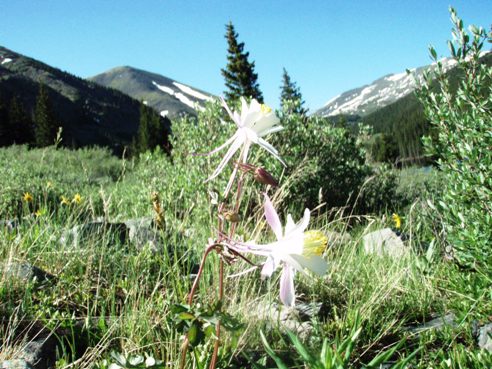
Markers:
{"x": 397, "y": 220}
{"x": 265, "y": 109}
{"x": 315, "y": 243}
{"x": 27, "y": 197}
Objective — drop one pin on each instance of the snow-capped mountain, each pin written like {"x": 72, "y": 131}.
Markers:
{"x": 382, "y": 92}
{"x": 167, "y": 96}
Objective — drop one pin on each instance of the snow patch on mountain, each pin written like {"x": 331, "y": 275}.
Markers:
{"x": 189, "y": 91}
{"x": 164, "y": 113}
{"x": 6, "y": 60}
{"x": 165, "y": 89}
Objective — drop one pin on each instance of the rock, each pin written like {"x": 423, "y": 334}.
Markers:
{"x": 113, "y": 233}
{"x": 15, "y": 364}
{"x": 296, "y": 319}
{"x": 485, "y": 337}
{"x": 24, "y": 272}
{"x": 337, "y": 239}
{"x": 385, "y": 242}
{"x": 448, "y": 320}
{"x": 9, "y": 224}
{"x": 41, "y": 352}
{"x": 142, "y": 232}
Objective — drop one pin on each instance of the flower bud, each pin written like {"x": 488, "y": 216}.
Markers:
{"x": 262, "y": 176}
{"x": 232, "y": 216}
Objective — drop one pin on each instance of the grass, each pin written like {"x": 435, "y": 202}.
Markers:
{"x": 110, "y": 297}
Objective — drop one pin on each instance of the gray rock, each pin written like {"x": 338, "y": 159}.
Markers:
{"x": 485, "y": 337}
{"x": 337, "y": 239}
{"x": 385, "y": 242}
{"x": 24, "y": 272}
{"x": 15, "y": 364}
{"x": 40, "y": 353}
{"x": 296, "y": 319}
{"x": 9, "y": 224}
{"x": 113, "y": 233}
{"x": 448, "y": 320}
{"x": 143, "y": 233}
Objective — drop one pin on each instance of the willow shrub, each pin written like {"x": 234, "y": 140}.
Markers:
{"x": 462, "y": 119}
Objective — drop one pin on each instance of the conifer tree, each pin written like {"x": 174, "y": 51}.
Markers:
{"x": 240, "y": 78}
{"x": 19, "y": 123}
{"x": 45, "y": 124}
{"x": 151, "y": 131}
{"x": 4, "y": 139}
{"x": 290, "y": 96}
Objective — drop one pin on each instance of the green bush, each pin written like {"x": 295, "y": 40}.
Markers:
{"x": 325, "y": 163}
{"x": 463, "y": 143}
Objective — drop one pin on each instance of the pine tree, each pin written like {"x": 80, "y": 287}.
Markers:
{"x": 240, "y": 78}
{"x": 290, "y": 97}
{"x": 19, "y": 123}
{"x": 46, "y": 126}
{"x": 4, "y": 123}
{"x": 151, "y": 131}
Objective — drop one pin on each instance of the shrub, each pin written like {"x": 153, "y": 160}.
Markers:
{"x": 463, "y": 142}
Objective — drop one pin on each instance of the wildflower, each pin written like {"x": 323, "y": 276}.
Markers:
{"x": 254, "y": 122}
{"x": 27, "y": 197}
{"x": 39, "y": 212}
{"x": 396, "y": 218}
{"x": 295, "y": 249}
{"x": 49, "y": 184}
{"x": 77, "y": 198}
{"x": 64, "y": 200}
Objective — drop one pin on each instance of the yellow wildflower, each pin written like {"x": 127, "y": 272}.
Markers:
{"x": 77, "y": 198}
{"x": 27, "y": 197}
{"x": 64, "y": 200}
{"x": 396, "y": 218}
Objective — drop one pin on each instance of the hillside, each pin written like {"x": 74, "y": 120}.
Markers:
{"x": 165, "y": 95}
{"x": 90, "y": 114}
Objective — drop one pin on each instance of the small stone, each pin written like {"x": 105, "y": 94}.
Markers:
{"x": 15, "y": 364}
{"x": 448, "y": 320}
{"x": 385, "y": 242}
{"x": 24, "y": 272}
{"x": 485, "y": 337}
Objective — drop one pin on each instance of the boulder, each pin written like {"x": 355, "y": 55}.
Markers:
{"x": 385, "y": 242}
{"x": 113, "y": 233}
{"x": 142, "y": 232}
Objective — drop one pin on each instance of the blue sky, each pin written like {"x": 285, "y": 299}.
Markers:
{"x": 327, "y": 46}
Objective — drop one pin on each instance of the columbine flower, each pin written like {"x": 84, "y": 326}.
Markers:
{"x": 27, "y": 197}
{"x": 77, "y": 198}
{"x": 254, "y": 122}
{"x": 295, "y": 249}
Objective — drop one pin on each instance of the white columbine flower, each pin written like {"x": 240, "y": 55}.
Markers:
{"x": 255, "y": 121}
{"x": 295, "y": 249}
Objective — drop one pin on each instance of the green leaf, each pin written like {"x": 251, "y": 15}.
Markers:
{"x": 273, "y": 355}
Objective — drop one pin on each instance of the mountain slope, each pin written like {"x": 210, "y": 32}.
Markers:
{"x": 380, "y": 93}
{"x": 90, "y": 114}
{"x": 168, "y": 97}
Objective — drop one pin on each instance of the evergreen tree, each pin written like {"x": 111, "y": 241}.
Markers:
{"x": 19, "y": 123}
{"x": 46, "y": 126}
{"x": 290, "y": 97}
{"x": 240, "y": 78}
{"x": 151, "y": 131}
{"x": 4, "y": 138}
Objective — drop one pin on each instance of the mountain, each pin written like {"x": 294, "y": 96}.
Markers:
{"x": 380, "y": 93}
{"x": 168, "y": 97}
{"x": 89, "y": 114}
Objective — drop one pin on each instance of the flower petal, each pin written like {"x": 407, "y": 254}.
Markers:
{"x": 232, "y": 150}
{"x": 233, "y": 116}
{"x": 270, "y": 130}
{"x": 269, "y": 267}
{"x": 287, "y": 291}
{"x": 314, "y": 263}
{"x": 270, "y": 149}
{"x": 299, "y": 227}
{"x": 265, "y": 123}
{"x": 217, "y": 149}
{"x": 272, "y": 218}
